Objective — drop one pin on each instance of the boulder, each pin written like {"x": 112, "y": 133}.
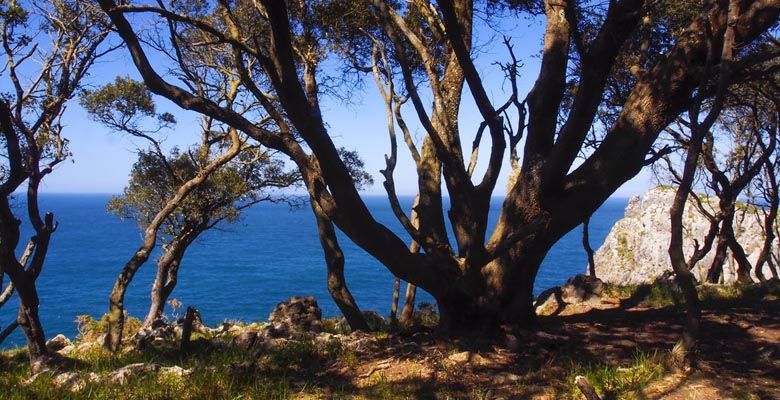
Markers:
{"x": 175, "y": 371}
{"x": 245, "y": 340}
{"x": 73, "y": 381}
{"x": 467, "y": 357}
{"x": 123, "y": 375}
{"x": 58, "y": 343}
{"x": 582, "y": 289}
{"x": 159, "y": 332}
{"x": 549, "y": 302}
{"x": 297, "y": 314}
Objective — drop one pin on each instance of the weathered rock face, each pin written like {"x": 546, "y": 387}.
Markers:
{"x": 636, "y": 249}
{"x": 297, "y": 314}
{"x": 582, "y": 289}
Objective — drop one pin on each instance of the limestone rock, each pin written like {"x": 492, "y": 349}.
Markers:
{"x": 297, "y": 314}
{"x": 58, "y": 342}
{"x": 175, "y": 371}
{"x": 469, "y": 357}
{"x": 73, "y": 381}
{"x": 550, "y": 302}
{"x": 636, "y": 249}
{"x": 159, "y": 333}
{"x": 123, "y": 375}
{"x": 582, "y": 289}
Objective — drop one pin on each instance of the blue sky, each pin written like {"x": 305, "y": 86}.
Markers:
{"x": 102, "y": 159}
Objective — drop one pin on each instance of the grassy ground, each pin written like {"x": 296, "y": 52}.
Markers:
{"x": 622, "y": 349}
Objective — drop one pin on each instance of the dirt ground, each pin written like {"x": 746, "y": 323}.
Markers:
{"x": 739, "y": 358}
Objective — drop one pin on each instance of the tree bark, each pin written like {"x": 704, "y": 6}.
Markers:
{"x": 168, "y": 268}
{"x": 407, "y": 312}
{"x": 738, "y": 252}
{"x": 715, "y": 272}
{"x": 588, "y": 249}
{"x": 337, "y": 285}
{"x": 394, "y": 303}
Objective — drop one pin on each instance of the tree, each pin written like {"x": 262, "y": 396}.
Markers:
{"x": 735, "y": 152}
{"x": 483, "y": 281}
{"x": 766, "y": 192}
{"x": 236, "y": 186}
{"x": 745, "y": 125}
{"x": 49, "y": 49}
{"x": 175, "y": 197}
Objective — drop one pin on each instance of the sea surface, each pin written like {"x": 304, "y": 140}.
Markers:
{"x": 234, "y": 272}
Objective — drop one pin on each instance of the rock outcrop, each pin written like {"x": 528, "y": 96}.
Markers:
{"x": 636, "y": 249}
{"x": 297, "y": 314}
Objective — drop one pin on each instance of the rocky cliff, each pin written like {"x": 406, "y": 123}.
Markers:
{"x": 636, "y": 249}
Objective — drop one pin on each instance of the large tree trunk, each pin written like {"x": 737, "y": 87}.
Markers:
{"x": 480, "y": 304}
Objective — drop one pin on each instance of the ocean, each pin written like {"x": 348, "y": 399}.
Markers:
{"x": 238, "y": 271}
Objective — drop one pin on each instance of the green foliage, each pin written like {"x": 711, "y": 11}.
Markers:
{"x": 664, "y": 293}
{"x": 91, "y": 329}
{"x": 426, "y": 315}
{"x": 222, "y": 197}
{"x": 123, "y": 105}
{"x": 356, "y": 168}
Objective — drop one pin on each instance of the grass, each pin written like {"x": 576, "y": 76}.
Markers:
{"x": 625, "y": 382}
{"x": 297, "y": 369}
{"x": 667, "y": 294}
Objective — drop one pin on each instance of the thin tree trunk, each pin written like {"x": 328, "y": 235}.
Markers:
{"x": 770, "y": 217}
{"x": 24, "y": 280}
{"x": 685, "y": 350}
{"x": 8, "y": 330}
{"x": 772, "y": 267}
{"x": 407, "y": 312}
{"x": 738, "y": 252}
{"x": 394, "y": 303}
{"x": 588, "y": 249}
{"x": 116, "y": 309}
{"x": 337, "y": 285}
{"x": 167, "y": 275}
{"x": 715, "y": 271}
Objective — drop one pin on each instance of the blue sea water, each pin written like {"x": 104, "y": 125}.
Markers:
{"x": 238, "y": 271}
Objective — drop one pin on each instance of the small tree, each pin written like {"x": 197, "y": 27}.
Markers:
{"x": 234, "y": 187}
{"x": 48, "y": 51}
{"x": 177, "y": 196}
